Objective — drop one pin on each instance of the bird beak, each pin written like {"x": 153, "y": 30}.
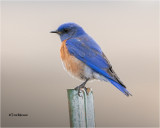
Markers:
{"x": 54, "y": 31}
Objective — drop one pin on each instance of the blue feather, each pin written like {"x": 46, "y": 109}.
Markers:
{"x": 90, "y": 53}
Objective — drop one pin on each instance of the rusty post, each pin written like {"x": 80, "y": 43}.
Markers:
{"x": 81, "y": 108}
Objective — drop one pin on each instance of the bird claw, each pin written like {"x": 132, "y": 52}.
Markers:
{"x": 79, "y": 90}
{"x": 82, "y": 86}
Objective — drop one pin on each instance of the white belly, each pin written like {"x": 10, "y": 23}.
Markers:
{"x": 89, "y": 73}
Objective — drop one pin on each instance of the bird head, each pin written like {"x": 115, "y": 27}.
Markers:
{"x": 69, "y": 30}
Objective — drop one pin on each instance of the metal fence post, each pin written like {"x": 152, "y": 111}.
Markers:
{"x": 81, "y": 108}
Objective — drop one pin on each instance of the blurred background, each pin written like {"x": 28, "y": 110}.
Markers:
{"x": 34, "y": 81}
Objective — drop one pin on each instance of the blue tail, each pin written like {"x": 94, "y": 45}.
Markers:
{"x": 117, "y": 85}
{"x": 120, "y": 87}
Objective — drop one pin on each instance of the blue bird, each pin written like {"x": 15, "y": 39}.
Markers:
{"x": 83, "y": 58}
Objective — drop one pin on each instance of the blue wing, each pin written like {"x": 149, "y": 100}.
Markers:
{"x": 90, "y": 53}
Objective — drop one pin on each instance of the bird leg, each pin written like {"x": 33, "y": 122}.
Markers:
{"x": 81, "y": 86}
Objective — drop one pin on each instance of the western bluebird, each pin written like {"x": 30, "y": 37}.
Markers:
{"x": 83, "y": 57}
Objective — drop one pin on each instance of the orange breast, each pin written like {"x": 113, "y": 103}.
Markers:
{"x": 72, "y": 64}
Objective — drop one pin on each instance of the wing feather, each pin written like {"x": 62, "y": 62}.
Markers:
{"x": 92, "y": 57}
{"x": 95, "y": 59}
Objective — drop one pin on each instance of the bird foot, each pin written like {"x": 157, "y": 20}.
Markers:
{"x": 78, "y": 88}
{"x": 82, "y": 86}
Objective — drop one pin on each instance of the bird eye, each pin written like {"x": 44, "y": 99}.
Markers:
{"x": 66, "y": 30}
